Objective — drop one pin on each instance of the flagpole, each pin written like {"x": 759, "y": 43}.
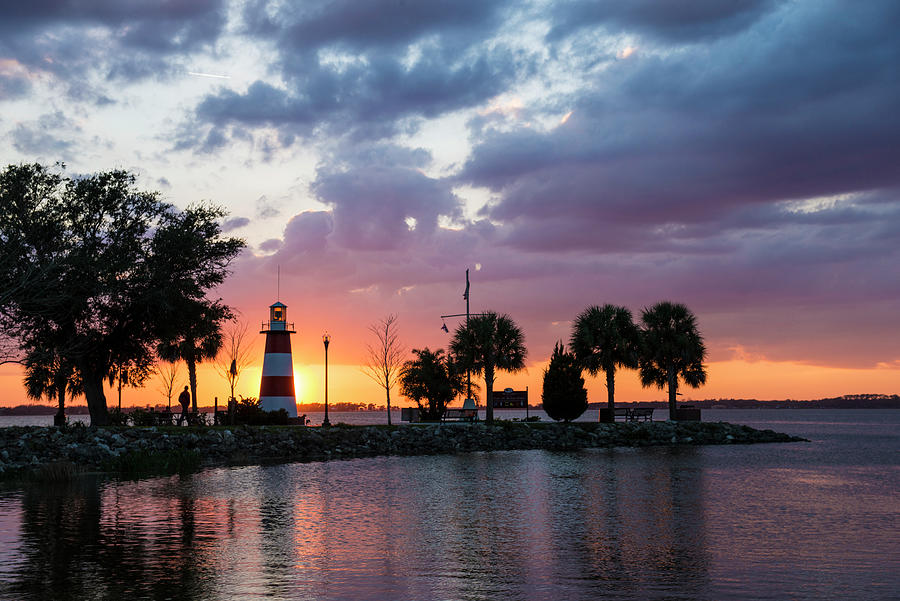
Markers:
{"x": 468, "y": 370}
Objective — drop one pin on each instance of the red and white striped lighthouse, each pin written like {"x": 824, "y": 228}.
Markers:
{"x": 276, "y": 390}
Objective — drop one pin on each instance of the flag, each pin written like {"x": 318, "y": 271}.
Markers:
{"x": 466, "y": 293}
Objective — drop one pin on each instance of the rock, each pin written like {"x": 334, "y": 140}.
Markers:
{"x": 89, "y": 448}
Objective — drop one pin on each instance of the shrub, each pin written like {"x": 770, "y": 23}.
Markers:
{"x": 248, "y": 411}
{"x": 117, "y": 418}
{"x": 142, "y": 417}
{"x": 564, "y": 396}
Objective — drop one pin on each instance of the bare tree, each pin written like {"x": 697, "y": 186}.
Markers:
{"x": 384, "y": 358}
{"x": 235, "y": 355}
{"x": 166, "y": 374}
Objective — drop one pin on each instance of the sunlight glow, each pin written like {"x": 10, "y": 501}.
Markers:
{"x": 298, "y": 385}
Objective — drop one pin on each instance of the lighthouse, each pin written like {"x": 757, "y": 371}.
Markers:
{"x": 276, "y": 390}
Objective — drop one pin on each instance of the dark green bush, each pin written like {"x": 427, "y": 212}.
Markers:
{"x": 248, "y": 412}
{"x": 564, "y": 396}
{"x": 142, "y": 417}
{"x": 117, "y": 418}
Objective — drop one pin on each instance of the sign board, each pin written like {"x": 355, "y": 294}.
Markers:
{"x": 510, "y": 399}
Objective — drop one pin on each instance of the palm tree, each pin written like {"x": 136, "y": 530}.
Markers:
{"x": 196, "y": 338}
{"x": 130, "y": 373}
{"x": 671, "y": 348}
{"x": 605, "y": 339}
{"x": 432, "y": 380}
{"x": 490, "y": 342}
{"x": 48, "y": 374}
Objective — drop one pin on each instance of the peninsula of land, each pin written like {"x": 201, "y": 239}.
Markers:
{"x": 63, "y": 452}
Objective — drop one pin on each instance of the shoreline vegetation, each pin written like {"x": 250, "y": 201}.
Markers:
{"x": 849, "y": 401}
{"x": 50, "y": 453}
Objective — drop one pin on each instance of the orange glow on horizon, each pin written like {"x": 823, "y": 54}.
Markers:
{"x": 763, "y": 380}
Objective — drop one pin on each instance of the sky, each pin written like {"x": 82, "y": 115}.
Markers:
{"x": 740, "y": 157}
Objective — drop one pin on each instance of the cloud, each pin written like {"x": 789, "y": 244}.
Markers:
{"x": 234, "y": 223}
{"x": 266, "y": 208}
{"x": 270, "y": 245}
{"x": 15, "y": 80}
{"x": 703, "y": 135}
{"x": 668, "y": 21}
{"x": 380, "y": 206}
{"x": 49, "y": 136}
{"x": 81, "y": 44}
{"x": 370, "y": 70}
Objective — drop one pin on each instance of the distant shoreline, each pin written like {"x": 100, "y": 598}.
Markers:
{"x": 855, "y": 401}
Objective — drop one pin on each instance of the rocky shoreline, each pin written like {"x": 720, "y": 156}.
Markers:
{"x": 61, "y": 452}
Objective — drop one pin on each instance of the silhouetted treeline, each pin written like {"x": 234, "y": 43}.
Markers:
{"x": 848, "y": 401}
{"x": 342, "y": 406}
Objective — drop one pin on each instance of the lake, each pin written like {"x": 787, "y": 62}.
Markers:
{"x": 818, "y": 520}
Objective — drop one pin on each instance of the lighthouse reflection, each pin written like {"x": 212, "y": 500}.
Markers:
{"x": 501, "y": 525}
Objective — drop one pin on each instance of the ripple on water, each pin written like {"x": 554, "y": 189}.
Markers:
{"x": 776, "y": 521}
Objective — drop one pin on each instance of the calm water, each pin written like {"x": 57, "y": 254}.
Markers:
{"x": 817, "y": 520}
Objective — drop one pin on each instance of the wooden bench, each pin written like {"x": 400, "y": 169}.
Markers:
{"x": 638, "y": 414}
{"x": 641, "y": 414}
{"x": 460, "y": 415}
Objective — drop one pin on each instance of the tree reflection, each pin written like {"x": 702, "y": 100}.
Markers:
{"x": 95, "y": 539}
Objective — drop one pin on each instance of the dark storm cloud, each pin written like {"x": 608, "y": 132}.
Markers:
{"x": 117, "y": 39}
{"x": 370, "y": 69}
{"x": 361, "y": 24}
{"x": 695, "y": 136}
{"x": 667, "y": 20}
{"x": 168, "y": 25}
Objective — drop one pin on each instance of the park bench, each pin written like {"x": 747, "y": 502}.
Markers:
{"x": 639, "y": 414}
{"x": 460, "y": 415}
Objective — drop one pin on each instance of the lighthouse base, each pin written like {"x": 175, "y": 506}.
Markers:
{"x": 274, "y": 403}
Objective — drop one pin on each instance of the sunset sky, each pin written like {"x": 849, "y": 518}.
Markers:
{"x": 740, "y": 157}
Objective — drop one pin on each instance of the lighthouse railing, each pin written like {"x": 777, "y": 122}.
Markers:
{"x": 282, "y": 327}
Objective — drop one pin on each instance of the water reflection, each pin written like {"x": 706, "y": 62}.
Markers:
{"x": 512, "y": 525}
{"x": 615, "y": 524}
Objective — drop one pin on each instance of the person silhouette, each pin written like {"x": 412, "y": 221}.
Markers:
{"x": 185, "y": 399}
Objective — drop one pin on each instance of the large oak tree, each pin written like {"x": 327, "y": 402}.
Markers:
{"x": 111, "y": 266}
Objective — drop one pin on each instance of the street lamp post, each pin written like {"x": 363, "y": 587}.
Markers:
{"x": 326, "y": 338}
{"x": 469, "y": 403}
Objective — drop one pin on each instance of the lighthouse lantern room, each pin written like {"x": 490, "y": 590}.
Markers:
{"x": 276, "y": 389}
